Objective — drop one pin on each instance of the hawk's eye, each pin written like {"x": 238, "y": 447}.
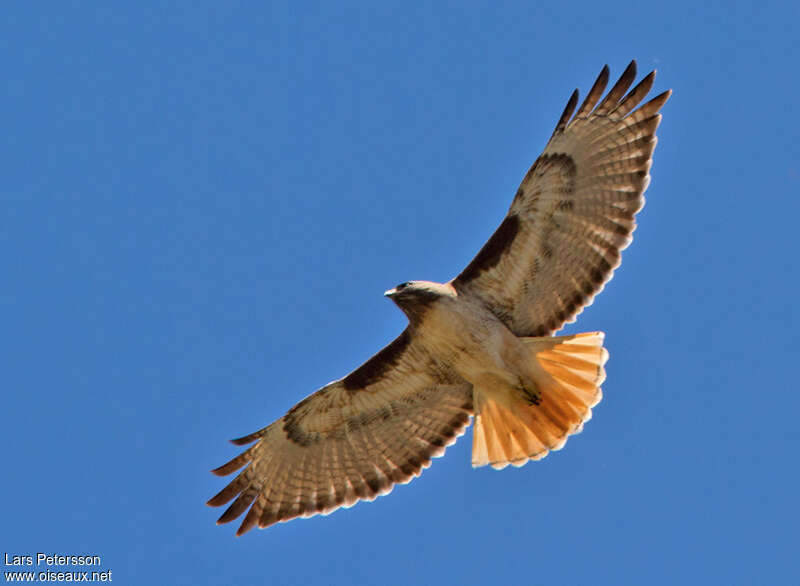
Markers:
{"x": 402, "y": 286}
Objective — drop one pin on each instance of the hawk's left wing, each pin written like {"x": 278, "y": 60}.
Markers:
{"x": 352, "y": 440}
{"x": 573, "y": 213}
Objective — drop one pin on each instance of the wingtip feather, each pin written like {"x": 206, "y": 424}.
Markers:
{"x": 247, "y": 439}
{"x": 618, "y": 90}
{"x": 594, "y": 94}
{"x": 567, "y": 113}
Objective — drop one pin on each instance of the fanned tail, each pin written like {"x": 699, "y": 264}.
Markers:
{"x": 568, "y": 373}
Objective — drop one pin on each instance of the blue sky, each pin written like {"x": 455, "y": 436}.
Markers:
{"x": 203, "y": 202}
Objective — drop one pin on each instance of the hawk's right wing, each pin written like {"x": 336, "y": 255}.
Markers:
{"x": 352, "y": 440}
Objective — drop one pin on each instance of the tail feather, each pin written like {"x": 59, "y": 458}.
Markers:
{"x": 501, "y": 441}
{"x": 480, "y": 450}
{"x": 569, "y": 371}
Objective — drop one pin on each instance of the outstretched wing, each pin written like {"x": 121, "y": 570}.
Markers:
{"x": 573, "y": 213}
{"x": 352, "y": 440}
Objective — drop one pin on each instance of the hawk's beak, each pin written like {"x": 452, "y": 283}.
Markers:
{"x": 390, "y": 292}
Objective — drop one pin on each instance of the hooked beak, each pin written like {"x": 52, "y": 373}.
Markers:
{"x": 390, "y": 292}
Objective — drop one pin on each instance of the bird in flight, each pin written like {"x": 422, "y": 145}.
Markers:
{"x": 480, "y": 345}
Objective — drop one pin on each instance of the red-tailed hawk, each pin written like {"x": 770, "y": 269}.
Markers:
{"x": 480, "y": 345}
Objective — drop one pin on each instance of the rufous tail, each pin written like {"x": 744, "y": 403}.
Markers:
{"x": 568, "y": 373}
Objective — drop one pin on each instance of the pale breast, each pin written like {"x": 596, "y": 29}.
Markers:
{"x": 467, "y": 336}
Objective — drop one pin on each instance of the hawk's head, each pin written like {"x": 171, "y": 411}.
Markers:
{"x": 416, "y": 297}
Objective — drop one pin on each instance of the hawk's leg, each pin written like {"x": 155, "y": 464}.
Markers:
{"x": 530, "y": 391}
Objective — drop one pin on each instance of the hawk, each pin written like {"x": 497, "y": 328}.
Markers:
{"x": 480, "y": 345}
